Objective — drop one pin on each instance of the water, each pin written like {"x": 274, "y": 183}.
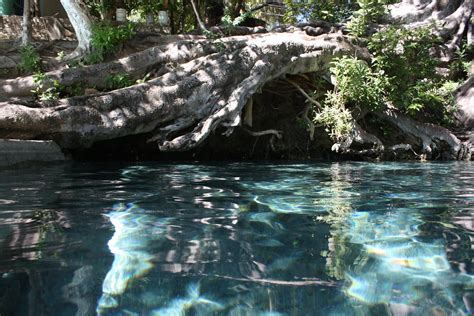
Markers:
{"x": 237, "y": 239}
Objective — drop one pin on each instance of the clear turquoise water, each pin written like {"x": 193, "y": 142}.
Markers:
{"x": 237, "y": 239}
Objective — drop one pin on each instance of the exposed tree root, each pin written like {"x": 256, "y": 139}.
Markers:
{"x": 187, "y": 103}
{"x": 377, "y": 152}
{"x": 307, "y": 96}
{"x": 277, "y": 134}
{"x": 432, "y": 136}
{"x": 248, "y": 113}
{"x": 360, "y": 136}
{"x": 451, "y": 19}
{"x": 200, "y": 86}
{"x": 465, "y": 102}
{"x": 311, "y": 126}
{"x": 135, "y": 66}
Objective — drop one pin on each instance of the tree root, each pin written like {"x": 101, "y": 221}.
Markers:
{"x": 432, "y": 136}
{"x": 358, "y": 135}
{"x": 248, "y": 113}
{"x": 276, "y": 133}
{"x": 229, "y": 115}
{"x": 465, "y": 102}
{"x": 135, "y": 66}
{"x": 380, "y": 151}
{"x": 307, "y": 96}
{"x": 450, "y": 17}
{"x": 273, "y": 132}
{"x": 187, "y": 103}
{"x": 311, "y": 126}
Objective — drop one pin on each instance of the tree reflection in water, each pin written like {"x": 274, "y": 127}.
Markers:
{"x": 135, "y": 234}
{"x": 238, "y": 246}
{"x": 239, "y": 239}
{"x": 219, "y": 258}
{"x": 390, "y": 262}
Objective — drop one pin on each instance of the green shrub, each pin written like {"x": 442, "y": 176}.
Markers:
{"x": 459, "y": 67}
{"x": 403, "y": 55}
{"x": 106, "y": 40}
{"x": 335, "y": 117}
{"x": 118, "y": 81}
{"x": 30, "y": 59}
{"x": 402, "y": 72}
{"x": 46, "y": 90}
{"x": 358, "y": 84}
{"x": 370, "y": 11}
{"x": 229, "y": 22}
{"x": 434, "y": 100}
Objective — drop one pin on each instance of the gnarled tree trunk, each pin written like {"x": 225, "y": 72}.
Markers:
{"x": 81, "y": 21}
{"x": 204, "y": 85}
{"x": 187, "y": 103}
{"x": 450, "y": 18}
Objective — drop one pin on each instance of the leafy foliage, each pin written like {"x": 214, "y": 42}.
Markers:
{"x": 46, "y": 90}
{"x": 149, "y": 6}
{"x": 404, "y": 55}
{"x": 118, "y": 81}
{"x": 459, "y": 68}
{"x": 229, "y": 22}
{"x": 106, "y": 40}
{"x": 98, "y": 7}
{"x": 435, "y": 100}
{"x": 358, "y": 84}
{"x": 302, "y": 11}
{"x": 335, "y": 117}
{"x": 402, "y": 72}
{"x": 370, "y": 11}
{"x": 414, "y": 85}
{"x": 30, "y": 59}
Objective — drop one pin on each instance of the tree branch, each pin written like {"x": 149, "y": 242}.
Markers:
{"x": 198, "y": 18}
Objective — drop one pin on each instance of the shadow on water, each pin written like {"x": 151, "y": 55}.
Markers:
{"x": 238, "y": 239}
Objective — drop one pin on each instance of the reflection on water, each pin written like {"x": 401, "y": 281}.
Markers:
{"x": 238, "y": 239}
{"x": 397, "y": 267}
{"x": 135, "y": 232}
{"x": 192, "y": 301}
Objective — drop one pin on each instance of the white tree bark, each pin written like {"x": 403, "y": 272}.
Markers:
{"x": 199, "y": 87}
{"x": 81, "y": 21}
{"x": 26, "y": 24}
{"x": 187, "y": 103}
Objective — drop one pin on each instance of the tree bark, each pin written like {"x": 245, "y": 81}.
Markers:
{"x": 465, "y": 104}
{"x": 431, "y": 136}
{"x": 81, "y": 21}
{"x": 26, "y": 23}
{"x": 183, "y": 49}
{"x": 198, "y": 18}
{"x": 203, "y": 85}
{"x": 185, "y": 105}
{"x": 450, "y": 19}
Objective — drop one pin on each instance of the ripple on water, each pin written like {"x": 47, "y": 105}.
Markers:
{"x": 240, "y": 239}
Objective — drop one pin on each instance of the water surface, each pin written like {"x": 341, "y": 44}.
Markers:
{"x": 237, "y": 239}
